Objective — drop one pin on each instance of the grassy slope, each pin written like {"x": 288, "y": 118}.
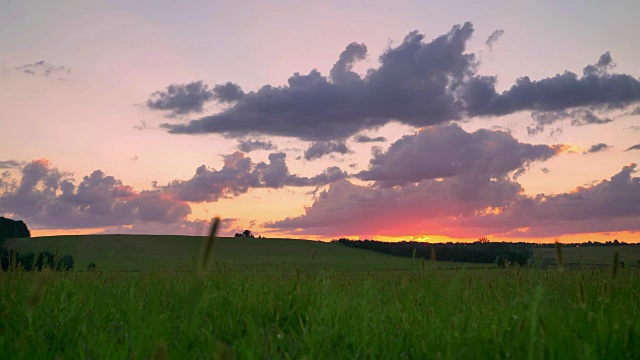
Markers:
{"x": 151, "y": 251}
{"x": 592, "y": 255}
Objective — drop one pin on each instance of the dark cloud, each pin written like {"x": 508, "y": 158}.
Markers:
{"x": 458, "y": 186}
{"x": 43, "y": 68}
{"x": 249, "y": 145}
{"x": 322, "y": 148}
{"x": 634, "y": 147}
{"x": 349, "y": 209}
{"x": 239, "y": 174}
{"x": 448, "y": 151}
{"x": 341, "y": 72}
{"x": 494, "y": 37}
{"x": 545, "y": 170}
{"x": 10, "y": 164}
{"x": 608, "y": 205}
{"x": 604, "y": 64}
{"x": 49, "y": 198}
{"x": 367, "y": 139}
{"x": 181, "y": 99}
{"x": 46, "y": 197}
{"x": 597, "y": 148}
{"x": 470, "y": 207}
{"x": 414, "y": 84}
{"x": 595, "y": 88}
{"x": 227, "y": 93}
{"x": 417, "y": 83}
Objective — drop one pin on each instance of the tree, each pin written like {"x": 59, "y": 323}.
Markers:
{"x": 247, "y": 233}
{"x": 10, "y": 229}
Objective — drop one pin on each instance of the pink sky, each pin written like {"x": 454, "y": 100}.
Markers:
{"x": 403, "y": 120}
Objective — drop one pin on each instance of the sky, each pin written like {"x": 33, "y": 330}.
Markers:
{"x": 403, "y": 120}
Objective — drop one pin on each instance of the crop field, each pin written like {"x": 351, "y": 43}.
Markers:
{"x": 313, "y": 307}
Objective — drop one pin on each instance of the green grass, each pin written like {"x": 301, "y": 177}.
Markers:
{"x": 591, "y": 255}
{"x": 273, "y": 298}
{"x": 134, "y": 252}
{"x": 284, "y": 313}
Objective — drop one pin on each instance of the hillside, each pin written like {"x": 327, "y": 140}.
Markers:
{"x": 130, "y": 252}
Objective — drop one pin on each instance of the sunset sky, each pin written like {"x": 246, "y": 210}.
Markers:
{"x": 413, "y": 120}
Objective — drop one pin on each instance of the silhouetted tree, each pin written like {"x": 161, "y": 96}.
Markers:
{"x": 10, "y": 229}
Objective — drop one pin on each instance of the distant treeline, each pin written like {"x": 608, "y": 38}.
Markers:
{"x": 589, "y": 243}
{"x": 14, "y": 260}
{"x": 478, "y": 252}
{"x": 11, "y": 259}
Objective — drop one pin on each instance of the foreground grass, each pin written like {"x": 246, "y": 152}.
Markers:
{"x": 285, "y": 312}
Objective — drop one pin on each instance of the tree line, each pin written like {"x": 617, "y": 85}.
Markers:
{"x": 10, "y": 259}
{"x": 481, "y": 251}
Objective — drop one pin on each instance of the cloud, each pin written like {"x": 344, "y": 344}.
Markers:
{"x": 418, "y": 83}
{"x": 322, "y": 148}
{"x": 414, "y": 84}
{"x": 341, "y": 72}
{"x": 367, "y": 139}
{"x": 227, "y": 93}
{"x": 43, "y": 68}
{"x": 49, "y": 198}
{"x": 634, "y": 147}
{"x": 249, "y": 145}
{"x": 10, "y": 164}
{"x": 608, "y": 205}
{"x": 181, "y": 99}
{"x": 597, "y": 148}
{"x": 469, "y": 207}
{"x": 545, "y": 170}
{"x": 448, "y": 151}
{"x": 595, "y": 88}
{"x": 239, "y": 174}
{"x": 493, "y": 38}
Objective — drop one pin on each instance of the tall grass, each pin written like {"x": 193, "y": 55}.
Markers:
{"x": 285, "y": 312}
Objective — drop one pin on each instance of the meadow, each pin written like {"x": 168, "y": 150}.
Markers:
{"x": 302, "y": 299}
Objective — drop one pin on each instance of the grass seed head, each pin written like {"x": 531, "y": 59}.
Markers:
{"x": 207, "y": 247}
{"x": 560, "y": 257}
{"x": 616, "y": 264}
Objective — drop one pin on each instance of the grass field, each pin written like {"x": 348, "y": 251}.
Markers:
{"x": 293, "y": 307}
{"x": 591, "y": 255}
{"x": 133, "y": 252}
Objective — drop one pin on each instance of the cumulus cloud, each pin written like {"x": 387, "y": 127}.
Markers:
{"x": 322, "y": 148}
{"x": 227, "y": 93}
{"x": 414, "y": 84}
{"x": 459, "y": 186}
{"x": 448, "y": 151}
{"x": 239, "y": 174}
{"x": 43, "y": 68}
{"x": 634, "y": 147}
{"x": 10, "y": 164}
{"x": 367, "y": 139}
{"x": 470, "y": 207}
{"x": 181, "y": 99}
{"x": 595, "y": 88}
{"x": 249, "y": 145}
{"x": 494, "y": 37}
{"x": 597, "y": 148}
{"x": 418, "y": 83}
{"x": 48, "y": 197}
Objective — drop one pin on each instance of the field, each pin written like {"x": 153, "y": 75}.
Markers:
{"x": 338, "y": 303}
{"x": 136, "y": 252}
